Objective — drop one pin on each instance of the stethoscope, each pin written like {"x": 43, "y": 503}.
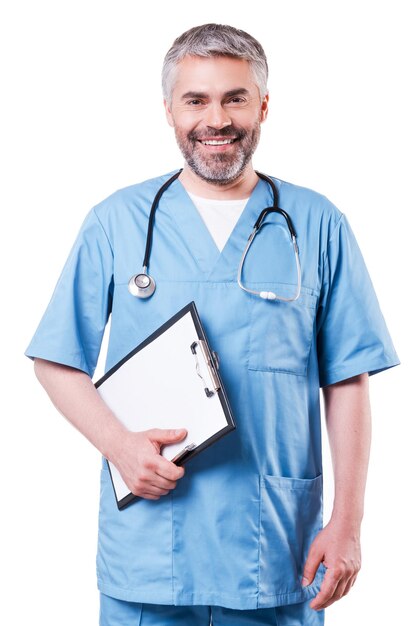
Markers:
{"x": 143, "y": 285}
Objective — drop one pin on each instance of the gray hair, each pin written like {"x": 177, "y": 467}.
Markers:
{"x": 215, "y": 40}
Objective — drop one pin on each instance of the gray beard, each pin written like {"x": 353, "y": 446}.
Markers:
{"x": 219, "y": 172}
{"x": 220, "y": 169}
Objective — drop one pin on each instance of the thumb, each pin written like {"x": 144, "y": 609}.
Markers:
{"x": 167, "y": 435}
{"x": 311, "y": 566}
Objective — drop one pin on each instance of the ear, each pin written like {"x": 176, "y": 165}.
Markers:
{"x": 264, "y": 108}
{"x": 168, "y": 113}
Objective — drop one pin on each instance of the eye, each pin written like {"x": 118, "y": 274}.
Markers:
{"x": 236, "y": 100}
{"x": 194, "y": 102}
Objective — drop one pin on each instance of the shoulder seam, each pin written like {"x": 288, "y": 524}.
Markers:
{"x": 335, "y": 227}
{"x": 103, "y": 229}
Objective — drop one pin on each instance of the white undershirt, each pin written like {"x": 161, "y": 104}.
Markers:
{"x": 219, "y": 216}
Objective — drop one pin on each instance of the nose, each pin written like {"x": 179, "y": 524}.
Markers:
{"x": 216, "y": 116}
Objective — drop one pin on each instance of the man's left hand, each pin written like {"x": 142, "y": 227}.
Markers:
{"x": 337, "y": 546}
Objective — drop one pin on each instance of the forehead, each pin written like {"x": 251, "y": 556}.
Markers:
{"x": 212, "y": 75}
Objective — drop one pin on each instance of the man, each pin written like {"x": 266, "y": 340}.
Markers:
{"x": 238, "y": 538}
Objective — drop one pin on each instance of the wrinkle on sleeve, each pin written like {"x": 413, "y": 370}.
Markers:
{"x": 352, "y": 337}
{"x": 72, "y": 327}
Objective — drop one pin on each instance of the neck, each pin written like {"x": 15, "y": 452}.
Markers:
{"x": 236, "y": 190}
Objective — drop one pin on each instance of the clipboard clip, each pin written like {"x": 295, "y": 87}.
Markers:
{"x": 212, "y": 365}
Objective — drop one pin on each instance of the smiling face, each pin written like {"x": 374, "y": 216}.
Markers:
{"x": 216, "y": 112}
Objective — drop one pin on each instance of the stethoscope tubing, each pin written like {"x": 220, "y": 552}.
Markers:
{"x": 151, "y": 218}
{"x": 270, "y": 295}
{"x": 143, "y": 285}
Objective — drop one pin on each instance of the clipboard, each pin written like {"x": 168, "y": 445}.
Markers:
{"x": 170, "y": 380}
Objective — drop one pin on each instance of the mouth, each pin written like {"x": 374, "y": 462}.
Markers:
{"x": 218, "y": 145}
{"x": 217, "y": 142}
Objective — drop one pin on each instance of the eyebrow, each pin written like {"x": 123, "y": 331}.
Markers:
{"x": 240, "y": 91}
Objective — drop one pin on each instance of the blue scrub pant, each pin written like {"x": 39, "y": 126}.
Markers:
{"x": 115, "y": 612}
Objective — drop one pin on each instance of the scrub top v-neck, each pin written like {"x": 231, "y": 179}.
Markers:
{"x": 219, "y": 216}
{"x": 212, "y": 263}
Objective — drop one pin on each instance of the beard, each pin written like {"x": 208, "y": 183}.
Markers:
{"x": 219, "y": 168}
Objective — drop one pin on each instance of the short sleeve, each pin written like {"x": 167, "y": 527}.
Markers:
{"x": 72, "y": 327}
{"x": 352, "y": 337}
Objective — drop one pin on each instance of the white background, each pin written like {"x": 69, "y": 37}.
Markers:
{"x": 82, "y": 116}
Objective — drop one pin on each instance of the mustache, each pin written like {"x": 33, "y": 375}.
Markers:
{"x": 228, "y": 131}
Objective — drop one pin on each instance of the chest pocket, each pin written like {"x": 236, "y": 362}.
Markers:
{"x": 281, "y": 333}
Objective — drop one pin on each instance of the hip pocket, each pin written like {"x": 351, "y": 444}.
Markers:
{"x": 290, "y": 518}
{"x": 281, "y": 334}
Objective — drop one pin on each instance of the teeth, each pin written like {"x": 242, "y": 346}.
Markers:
{"x": 213, "y": 142}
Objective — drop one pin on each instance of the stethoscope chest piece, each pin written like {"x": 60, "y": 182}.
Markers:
{"x": 142, "y": 285}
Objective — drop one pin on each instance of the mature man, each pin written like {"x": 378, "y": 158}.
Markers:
{"x": 238, "y": 538}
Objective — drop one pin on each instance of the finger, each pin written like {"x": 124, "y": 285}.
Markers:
{"x": 160, "y": 473}
{"x": 329, "y": 584}
{"x": 168, "y": 435}
{"x": 150, "y": 489}
{"x": 156, "y": 491}
{"x": 166, "y": 469}
{"x": 342, "y": 589}
{"x": 349, "y": 584}
{"x": 163, "y": 483}
{"x": 150, "y": 496}
{"x": 158, "y": 481}
{"x": 337, "y": 595}
{"x": 150, "y": 483}
{"x": 158, "y": 465}
{"x": 311, "y": 566}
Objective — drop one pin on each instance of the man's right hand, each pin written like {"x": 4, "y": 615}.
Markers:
{"x": 139, "y": 461}
{"x": 136, "y": 455}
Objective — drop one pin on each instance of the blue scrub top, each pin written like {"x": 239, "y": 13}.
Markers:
{"x": 237, "y": 529}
